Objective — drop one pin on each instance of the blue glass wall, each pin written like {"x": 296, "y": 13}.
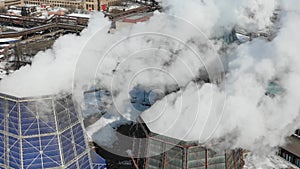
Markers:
{"x": 43, "y": 132}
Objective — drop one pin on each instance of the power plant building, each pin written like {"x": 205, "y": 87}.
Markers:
{"x": 155, "y": 151}
{"x": 43, "y": 132}
{"x": 158, "y": 143}
{"x": 291, "y": 151}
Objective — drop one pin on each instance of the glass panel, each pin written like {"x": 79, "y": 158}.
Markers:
{"x": 215, "y": 158}
{"x": 31, "y": 150}
{"x": 139, "y": 148}
{"x": 83, "y": 162}
{"x": 29, "y": 118}
{"x": 79, "y": 139}
{"x": 28, "y": 109}
{"x": 50, "y": 151}
{"x": 46, "y": 116}
{"x": 30, "y": 127}
{"x": 47, "y": 126}
{"x": 63, "y": 119}
{"x": 196, "y": 157}
{"x": 174, "y": 157}
{"x": 44, "y": 108}
{"x": 60, "y": 105}
{"x": 1, "y": 148}
{"x": 67, "y": 146}
{"x": 155, "y": 152}
{"x": 217, "y": 166}
{"x": 13, "y": 119}
{"x": 72, "y": 111}
{"x": 34, "y": 163}
{"x": 2, "y": 114}
{"x": 72, "y": 166}
{"x": 62, "y": 115}
{"x": 14, "y": 152}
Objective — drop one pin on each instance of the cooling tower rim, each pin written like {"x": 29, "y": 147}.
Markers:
{"x": 33, "y": 98}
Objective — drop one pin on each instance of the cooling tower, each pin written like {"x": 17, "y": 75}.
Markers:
{"x": 43, "y": 132}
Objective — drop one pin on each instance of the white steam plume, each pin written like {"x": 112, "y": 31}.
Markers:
{"x": 181, "y": 46}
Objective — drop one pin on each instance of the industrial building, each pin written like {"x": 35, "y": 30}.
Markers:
{"x": 90, "y": 5}
{"x": 291, "y": 151}
{"x": 154, "y": 149}
{"x": 159, "y": 151}
{"x": 43, "y": 132}
{"x": 8, "y": 3}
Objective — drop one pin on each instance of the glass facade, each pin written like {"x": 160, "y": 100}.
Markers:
{"x": 167, "y": 153}
{"x": 43, "y": 132}
{"x": 196, "y": 156}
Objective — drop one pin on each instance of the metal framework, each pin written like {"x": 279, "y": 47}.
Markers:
{"x": 163, "y": 152}
{"x": 55, "y": 22}
{"x": 123, "y": 14}
{"x": 32, "y": 21}
{"x": 43, "y": 132}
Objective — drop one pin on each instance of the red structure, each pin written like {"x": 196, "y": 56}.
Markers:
{"x": 135, "y": 19}
{"x": 104, "y": 7}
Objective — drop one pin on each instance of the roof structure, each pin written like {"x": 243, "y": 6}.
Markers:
{"x": 138, "y": 18}
{"x": 185, "y": 115}
{"x": 293, "y": 145}
{"x": 173, "y": 128}
{"x": 43, "y": 132}
{"x": 158, "y": 151}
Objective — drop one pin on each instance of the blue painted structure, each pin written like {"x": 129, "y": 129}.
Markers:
{"x": 43, "y": 132}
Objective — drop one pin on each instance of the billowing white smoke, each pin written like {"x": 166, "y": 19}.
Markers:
{"x": 264, "y": 121}
{"x": 170, "y": 53}
{"x": 51, "y": 71}
{"x": 248, "y": 118}
{"x": 255, "y": 15}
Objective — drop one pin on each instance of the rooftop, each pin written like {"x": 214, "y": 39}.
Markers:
{"x": 293, "y": 145}
{"x": 184, "y": 115}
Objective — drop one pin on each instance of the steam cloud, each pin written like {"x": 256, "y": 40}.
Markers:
{"x": 169, "y": 54}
